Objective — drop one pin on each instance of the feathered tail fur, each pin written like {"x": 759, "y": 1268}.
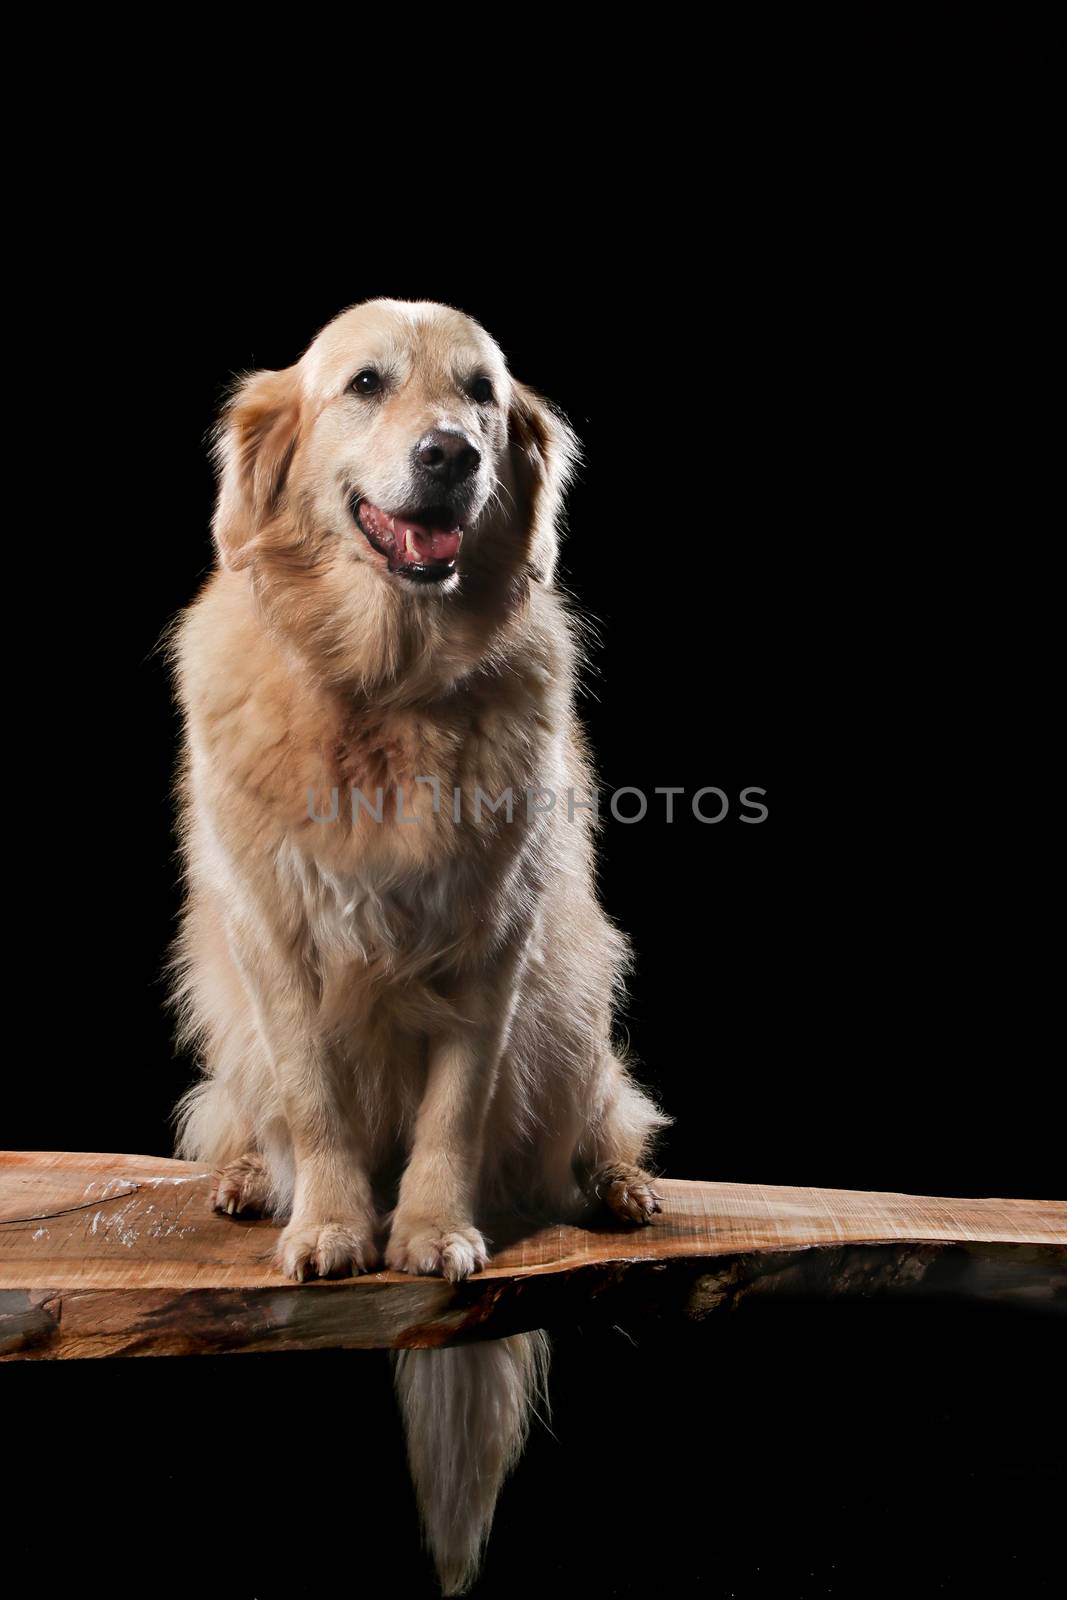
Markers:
{"x": 466, "y": 1414}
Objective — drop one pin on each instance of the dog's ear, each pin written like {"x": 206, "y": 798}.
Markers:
{"x": 253, "y": 447}
{"x": 545, "y": 452}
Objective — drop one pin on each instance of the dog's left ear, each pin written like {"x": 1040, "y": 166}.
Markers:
{"x": 545, "y": 452}
{"x": 254, "y": 443}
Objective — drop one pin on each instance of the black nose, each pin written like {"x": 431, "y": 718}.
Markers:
{"x": 447, "y": 457}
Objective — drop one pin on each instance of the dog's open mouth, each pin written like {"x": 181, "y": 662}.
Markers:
{"x": 422, "y": 547}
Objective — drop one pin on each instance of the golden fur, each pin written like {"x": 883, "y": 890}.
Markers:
{"x": 417, "y": 1000}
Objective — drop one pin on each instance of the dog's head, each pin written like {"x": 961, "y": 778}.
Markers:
{"x": 397, "y": 450}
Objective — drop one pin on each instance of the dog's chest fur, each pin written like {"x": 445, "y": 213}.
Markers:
{"x": 372, "y": 749}
{"x": 400, "y": 865}
{"x": 322, "y": 785}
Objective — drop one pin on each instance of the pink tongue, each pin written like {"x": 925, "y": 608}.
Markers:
{"x": 410, "y": 542}
{"x": 416, "y": 543}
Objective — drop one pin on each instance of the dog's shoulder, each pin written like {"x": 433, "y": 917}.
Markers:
{"x": 255, "y": 724}
{"x": 218, "y": 647}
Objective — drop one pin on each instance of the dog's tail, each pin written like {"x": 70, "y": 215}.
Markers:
{"x": 466, "y": 1414}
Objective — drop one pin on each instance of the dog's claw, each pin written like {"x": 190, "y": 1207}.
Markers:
{"x": 451, "y": 1252}
{"x": 326, "y": 1250}
{"x": 628, "y": 1192}
{"x": 243, "y": 1185}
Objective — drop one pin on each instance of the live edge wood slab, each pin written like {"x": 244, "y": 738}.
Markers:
{"x": 104, "y": 1255}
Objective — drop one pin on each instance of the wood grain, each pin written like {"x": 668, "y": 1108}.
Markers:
{"x": 114, "y": 1254}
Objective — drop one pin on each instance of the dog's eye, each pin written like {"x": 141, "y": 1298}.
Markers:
{"x": 366, "y": 382}
{"x": 481, "y": 390}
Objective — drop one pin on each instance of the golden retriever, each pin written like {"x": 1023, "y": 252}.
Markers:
{"x": 392, "y": 962}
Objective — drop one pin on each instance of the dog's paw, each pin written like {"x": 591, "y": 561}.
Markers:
{"x": 627, "y": 1191}
{"x": 325, "y": 1250}
{"x": 427, "y": 1247}
{"x": 242, "y": 1186}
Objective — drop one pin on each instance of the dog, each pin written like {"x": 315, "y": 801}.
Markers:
{"x": 392, "y": 964}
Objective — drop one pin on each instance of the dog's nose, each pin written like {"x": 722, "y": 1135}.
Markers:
{"x": 447, "y": 457}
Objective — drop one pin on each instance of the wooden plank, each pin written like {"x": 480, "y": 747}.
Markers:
{"x": 116, "y": 1254}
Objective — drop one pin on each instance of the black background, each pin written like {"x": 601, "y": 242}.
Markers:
{"x": 798, "y": 382}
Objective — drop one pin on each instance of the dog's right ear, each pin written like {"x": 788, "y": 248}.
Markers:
{"x": 253, "y": 446}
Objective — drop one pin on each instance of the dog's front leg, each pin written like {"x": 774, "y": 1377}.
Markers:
{"x": 433, "y": 1227}
{"x": 332, "y": 1221}
{"x": 331, "y": 1230}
